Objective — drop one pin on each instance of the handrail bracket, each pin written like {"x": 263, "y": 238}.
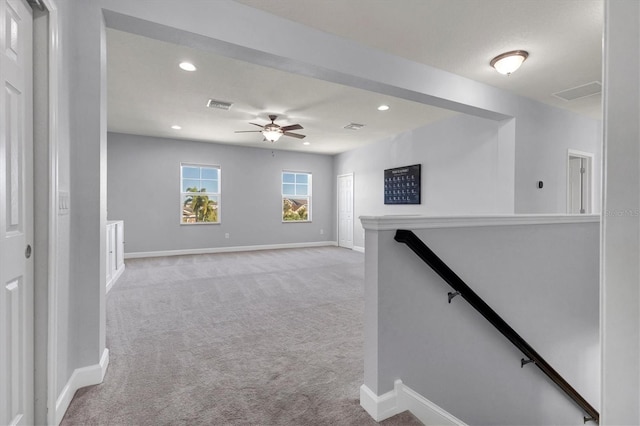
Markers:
{"x": 524, "y": 362}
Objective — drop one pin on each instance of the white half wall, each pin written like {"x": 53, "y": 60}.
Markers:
{"x": 540, "y": 274}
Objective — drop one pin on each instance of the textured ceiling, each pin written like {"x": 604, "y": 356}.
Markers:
{"x": 148, "y": 92}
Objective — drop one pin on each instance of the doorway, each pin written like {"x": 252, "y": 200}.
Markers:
{"x": 345, "y": 210}
{"x": 579, "y": 182}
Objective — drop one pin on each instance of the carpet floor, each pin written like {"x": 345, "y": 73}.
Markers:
{"x": 255, "y": 338}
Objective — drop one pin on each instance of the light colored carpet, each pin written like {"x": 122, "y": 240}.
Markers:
{"x": 255, "y": 338}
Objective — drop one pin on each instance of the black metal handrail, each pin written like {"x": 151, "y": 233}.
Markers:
{"x": 462, "y": 289}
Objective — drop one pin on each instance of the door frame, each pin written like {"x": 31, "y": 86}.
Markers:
{"x": 338, "y": 207}
{"x": 53, "y": 184}
{"x": 589, "y": 181}
{"x": 46, "y": 289}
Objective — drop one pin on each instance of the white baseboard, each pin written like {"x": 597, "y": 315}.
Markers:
{"x": 81, "y": 377}
{"x": 358, "y": 249}
{"x": 227, "y": 249}
{"x": 115, "y": 278}
{"x": 402, "y": 398}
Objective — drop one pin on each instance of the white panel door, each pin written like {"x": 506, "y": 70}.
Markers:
{"x": 579, "y": 183}
{"x": 111, "y": 248}
{"x": 16, "y": 214}
{"x": 345, "y": 210}
{"x": 119, "y": 244}
{"x": 575, "y": 185}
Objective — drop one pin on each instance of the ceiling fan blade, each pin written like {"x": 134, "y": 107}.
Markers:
{"x": 248, "y": 131}
{"x": 294, "y": 135}
{"x": 291, "y": 127}
{"x": 259, "y": 125}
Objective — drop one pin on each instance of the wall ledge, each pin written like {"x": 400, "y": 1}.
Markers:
{"x": 403, "y": 398}
{"x": 383, "y": 223}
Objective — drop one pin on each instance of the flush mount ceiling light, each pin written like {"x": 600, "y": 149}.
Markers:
{"x": 383, "y": 108}
{"x": 187, "y": 66}
{"x": 509, "y": 62}
{"x": 306, "y": 143}
{"x": 176, "y": 127}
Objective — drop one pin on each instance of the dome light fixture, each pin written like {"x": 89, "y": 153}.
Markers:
{"x": 383, "y": 108}
{"x": 509, "y": 62}
{"x": 176, "y": 127}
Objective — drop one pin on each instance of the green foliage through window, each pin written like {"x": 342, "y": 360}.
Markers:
{"x": 296, "y": 196}
{"x": 200, "y": 189}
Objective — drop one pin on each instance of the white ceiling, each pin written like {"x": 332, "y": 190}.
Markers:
{"x": 148, "y": 93}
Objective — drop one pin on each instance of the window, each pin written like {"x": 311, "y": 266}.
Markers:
{"x": 296, "y": 197}
{"x": 200, "y": 193}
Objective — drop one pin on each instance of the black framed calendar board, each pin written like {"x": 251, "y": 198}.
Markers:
{"x": 402, "y": 185}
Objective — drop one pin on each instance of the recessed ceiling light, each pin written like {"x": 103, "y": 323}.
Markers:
{"x": 383, "y": 107}
{"x": 176, "y": 127}
{"x": 306, "y": 143}
{"x": 187, "y": 66}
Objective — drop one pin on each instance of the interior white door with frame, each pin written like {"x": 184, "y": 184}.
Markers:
{"x": 579, "y": 182}
{"x": 345, "y": 210}
{"x": 16, "y": 214}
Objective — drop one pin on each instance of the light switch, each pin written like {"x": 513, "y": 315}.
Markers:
{"x": 64, "y": 203}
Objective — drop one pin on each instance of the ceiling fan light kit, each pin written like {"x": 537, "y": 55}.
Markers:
{"x": 272, "y": 133}
{"x": 509, "y": 62}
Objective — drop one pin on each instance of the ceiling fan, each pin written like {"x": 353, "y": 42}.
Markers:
{"x": 272, "y": 131}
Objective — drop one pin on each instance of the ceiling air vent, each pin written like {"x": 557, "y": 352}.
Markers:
{"x": 354, "y": 126}
{"x": 583, "y": 91}
{"x": 219, "y": 104}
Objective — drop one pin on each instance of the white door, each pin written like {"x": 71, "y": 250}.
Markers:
{"x": 16, "y": 214}
{"x": 345, "y": 210}
{"x": 575, "y": 185}
{"x": 579, "y": 183}
{"x": 119, "y": 245}
{"x": 111, "y": 248}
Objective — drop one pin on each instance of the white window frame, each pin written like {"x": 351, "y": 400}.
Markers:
{"x": 308, "y": 196}
{"x": 218, "y": 194}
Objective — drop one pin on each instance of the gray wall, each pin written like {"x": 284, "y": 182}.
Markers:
{"x": 87, "y": 185}
{"x": 452, "y": 356}
{"x": 463, "y": 164}
{"x": 620, "y": 301}
{"x": 144, "y": 191}
{"x": 544, "y": 135}
{"x": 468, "y": 164}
